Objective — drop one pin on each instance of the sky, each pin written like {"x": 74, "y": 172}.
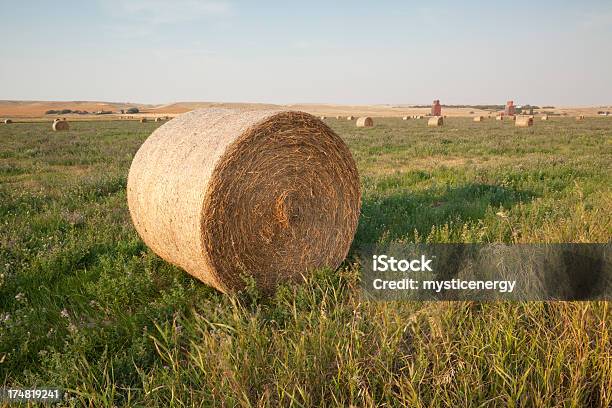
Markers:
{"x": 343, "y": 52}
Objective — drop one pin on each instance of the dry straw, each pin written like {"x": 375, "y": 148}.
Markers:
{"x": 499, "y": 117}
{"x": 523, "y": 121}
{"x": 350, "y": 118}
{"x": 227, "y": 193}
{"x": 405, "y": 118}
{"x": 544, "y": 117}
{"x": 7, "y": 121}
{"x": 435, "y": 121}
{"x": 478, "y": 118}
{"x": 365, "y": 121}
{"x": 59, "y": 125}
{"x": 143, "y": 120}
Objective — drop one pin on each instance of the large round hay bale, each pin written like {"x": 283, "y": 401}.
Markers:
{"x": 365, "y": 121}
{"x": 143, "y": 120}
{"x": 350, "y": 118}
{"x": 226, "y": 193}
{"x": 478, "y": 118}
{"x": 7, "y": 121}
{"x": 435, "y": 121}
{"x": 544, "y": 117}
{"x": 405, "y": 118}
{"x": 59, "y": 125}
{"x": 523, "y": 121}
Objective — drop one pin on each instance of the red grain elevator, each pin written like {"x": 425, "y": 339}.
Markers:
{"x": 436, "y": 108}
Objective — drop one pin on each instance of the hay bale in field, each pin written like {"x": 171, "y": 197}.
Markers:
{"x": 435, "y": 121}
{"x": 544, "y": 117}
{"x": 143, "y": 120}
{"x": 405, "y": 118}
{"x": 365, "y": 121}
{"x": 478, "y": 119}
{"x": 337, "y": 116}
{"x": 323, "y": 117}
{"x": 158, "y": 119}
{"x": 59, "y": 125}
{"x": 579, "y": 118}
{"x": 499, "y": 117}
{"x": 7, "y": 121}
{"x": 223, "y": 193}
{"x": 418, "y": 117}
{"x": 350, "y": 118}
{"x": 523, "y": 121}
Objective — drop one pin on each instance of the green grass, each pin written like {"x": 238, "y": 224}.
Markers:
{"x": 84, "y": 304}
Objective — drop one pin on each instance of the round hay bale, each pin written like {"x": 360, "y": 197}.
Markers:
{"x": 579, "y": 118}
{"x": 478, "y": 118}
{"x": 499, "y": 117}
{"x": 338, "y": 117}
{"x": 323, "y": 117}
{"x": 59, "y": 125}
{"x": 350, "y": 118}
{"x": 544, "y": 117}
{"x": 365, "y": 121}
{"x": 523, "y": 121}
{"x": 7, "y": 121}
{"x": 405, "y": 118}
{"x": 158, "y": 119}
{"x": 143, "y": 120}
{"x": 225, "y": 193}
{"x": 435, "y": 121}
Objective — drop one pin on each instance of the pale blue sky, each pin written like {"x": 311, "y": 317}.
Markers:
{"x": 354, "y": 52}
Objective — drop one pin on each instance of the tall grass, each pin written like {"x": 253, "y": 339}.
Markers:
{"x": 84, "y": 305}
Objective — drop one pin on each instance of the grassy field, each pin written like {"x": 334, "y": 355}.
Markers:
{"x": 85, "y": 306}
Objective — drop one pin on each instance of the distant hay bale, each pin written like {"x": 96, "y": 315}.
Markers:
{"x": 544, "y": 117}
{"x": 523, "y": 121}
{"x": 143, "y": 120}
{"x": 323, "y": 117}
{"x": 337, "y": 116}
{"x": 7, "y": 121}
{"x": 350, "y": 118}
{"x": 418, "y": 117}
{"x": 59, "y": 125}
{"x": 245, "y": 200}
{"x": 158, "y": 119}
{"x": 405, "y": 118}
{"x": 365, "y": 121}
{"x": 435, "y": 121}
{"x": 478, "y": 118}
{"x": 499, "y": 117}
{"x": 580, "y": 118}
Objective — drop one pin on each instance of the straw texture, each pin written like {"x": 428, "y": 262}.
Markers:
{"x": 59, "y": 125}
{"x": 365, "y": 121}
{"x": 435, "y": 121}
{"x": 523, "y": 121}
{"x": 226, "y": 193}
